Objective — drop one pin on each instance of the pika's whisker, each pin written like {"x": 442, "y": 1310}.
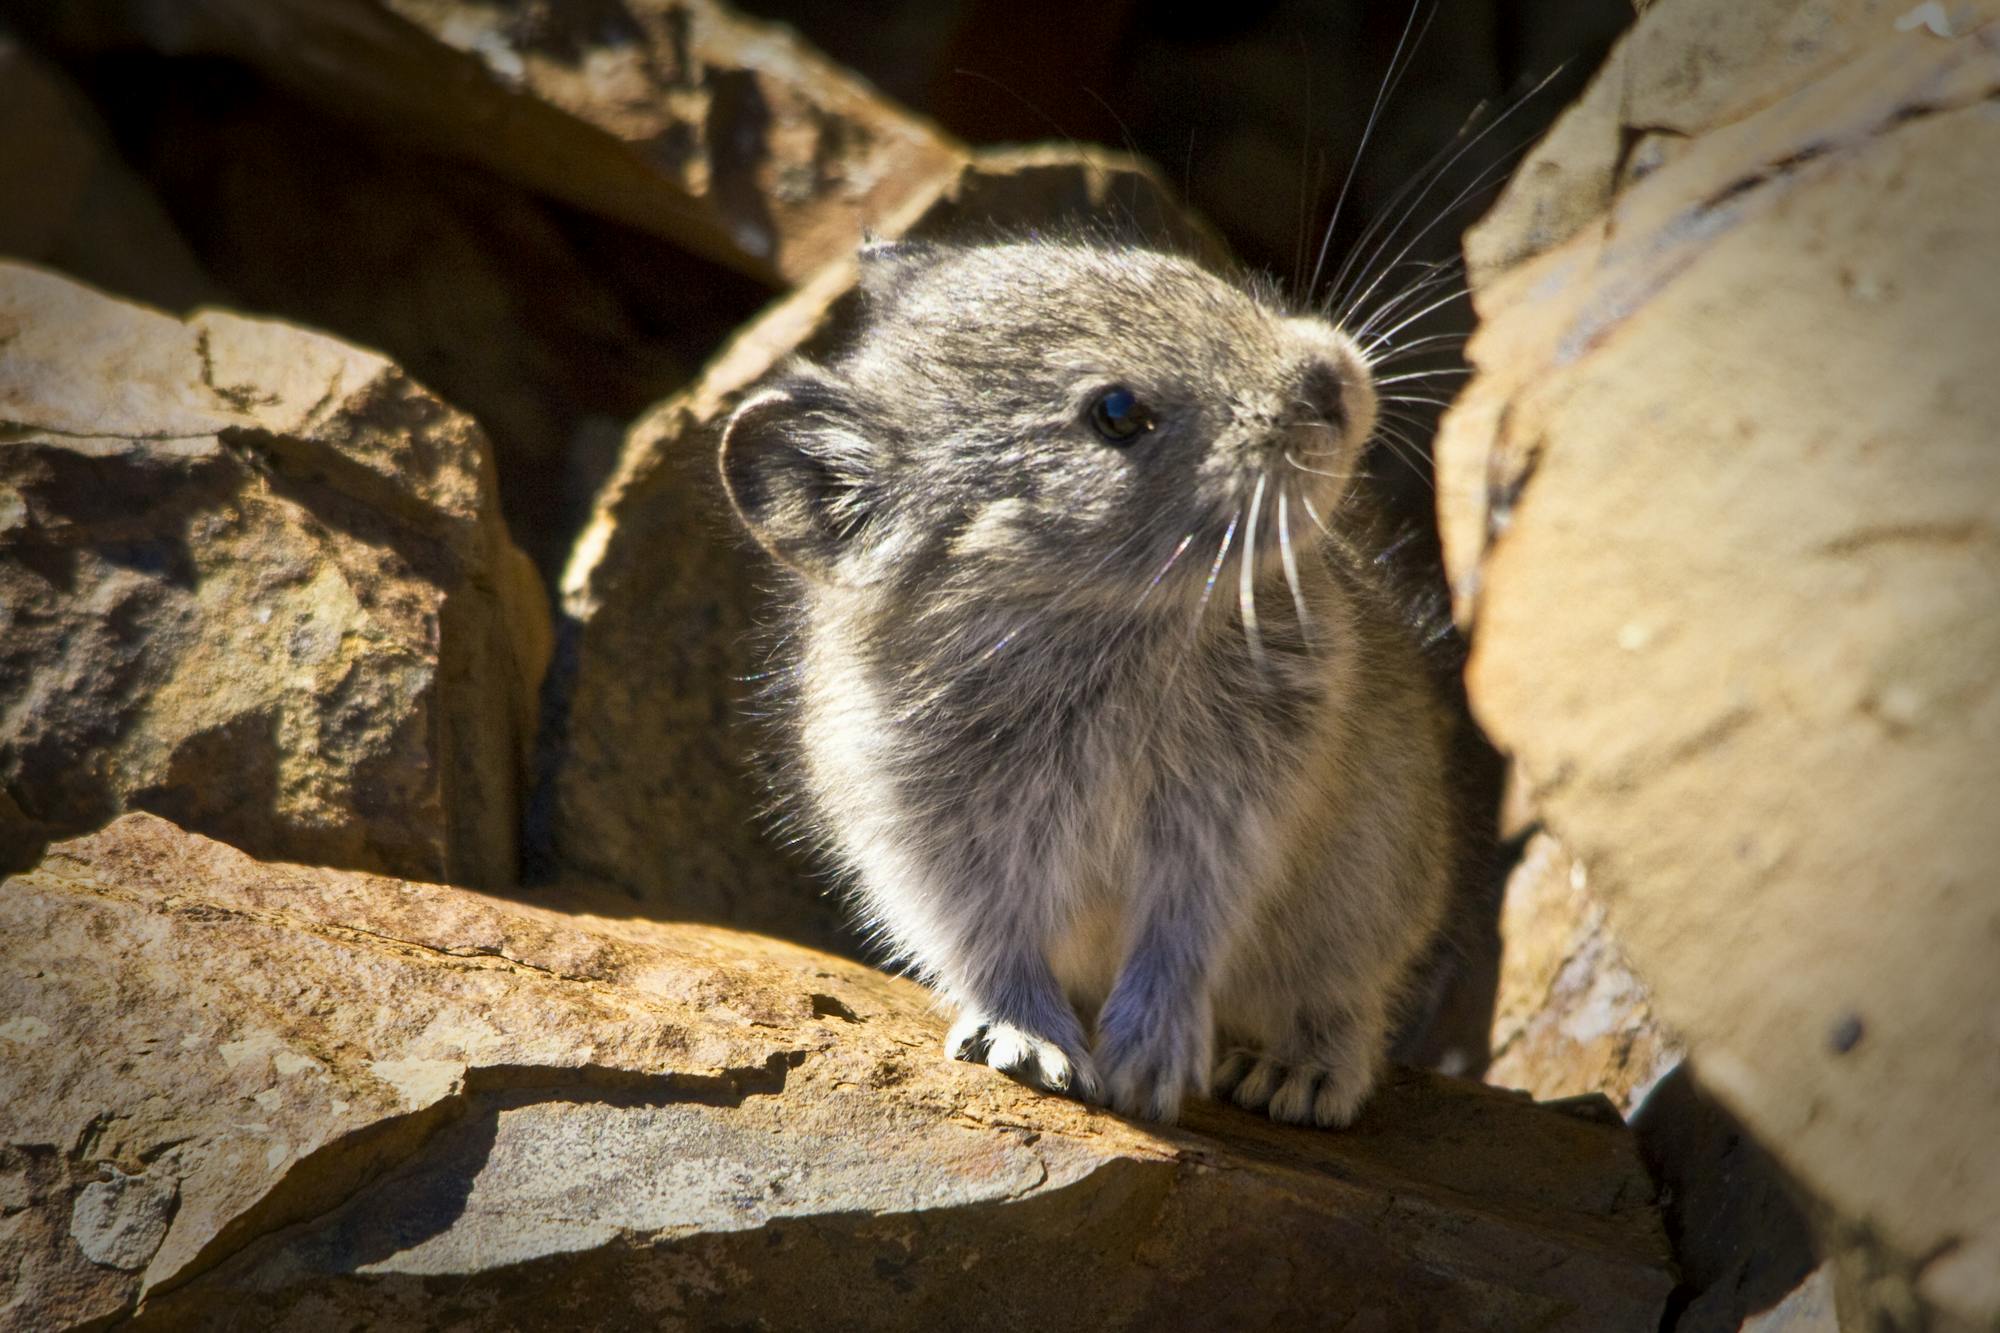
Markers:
{"x": 1430, "y": 275}
{"x": 1164, "y": 569}
{"x": 1305, "y": 501}
{"x": 1398, "y": 65}
{"x": 1215, "y": 570}
{"x": 1407, "y": 453}
{"x": 1405, "y": 351}
{"x": 1405, "y": 300}
{"x": 1433, "y": 167}
{"x": 1500, "y": 163}
{"x": 1395, "y": 308}
{"x": 1317, "y": 472}
{"x": 1291, "y": 562}
{"x": 1246, "y": 574}
{"x": 1381, "y": 339}
{"x": 1423, "y": 375}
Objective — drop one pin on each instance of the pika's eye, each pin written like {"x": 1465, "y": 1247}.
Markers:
{"x": 1119, "y": 417}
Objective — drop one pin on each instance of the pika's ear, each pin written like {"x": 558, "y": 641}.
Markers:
{"x": 887, "y": 266}
{"x": 799, "y": 475}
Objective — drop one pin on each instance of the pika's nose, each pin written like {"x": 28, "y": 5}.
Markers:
{"x": 1320, "y": 394}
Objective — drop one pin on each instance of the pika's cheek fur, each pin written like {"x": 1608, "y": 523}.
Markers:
{"x": 1099, "y": 709}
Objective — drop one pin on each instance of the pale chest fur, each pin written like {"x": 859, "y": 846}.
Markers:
{"x": 1038, "y": 756}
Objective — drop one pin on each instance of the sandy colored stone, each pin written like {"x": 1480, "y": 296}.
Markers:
{"x": 383, "y": 1103}
{"x": 730, "y": 136}
{"x": 1689, "y": 68}
{"x": 1569, "y": 1017}
{"x": 1720, "y": 507}
{"x": 255, "y": 579}
{"x": 653, "y": 787}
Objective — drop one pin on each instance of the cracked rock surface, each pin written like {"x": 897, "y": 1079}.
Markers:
{"x": 253, "y": 579}
{"x": 1721, "y": 507}
{"x": 241, "y": 1090}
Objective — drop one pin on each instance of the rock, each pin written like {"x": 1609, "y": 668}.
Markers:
{"x": 119, "y": 1221}
{"x": 71, "y": 203}
{"x": 1720, "y": 509}
{"x": 731, "y": 137}
{"x": 651, "y": 786}
{"x": 1569, "y": 1017}
{"x": 1570, "y": 1020}
{"x": 392, "y": 1104}
{"x": 1807, "y": 1308}
{"x": 551, "y": 329}
{"x": 254, "y": 579}
{"x": 1740, "y": 1241}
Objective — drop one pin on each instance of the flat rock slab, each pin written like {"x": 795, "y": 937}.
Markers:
{"x": 232, "y": 1089}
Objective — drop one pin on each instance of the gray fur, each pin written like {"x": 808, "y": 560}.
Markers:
{"x": 1065, "y": 766}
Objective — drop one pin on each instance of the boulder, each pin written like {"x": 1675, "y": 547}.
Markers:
{"x": 731, "y": 137}
{"x": 253, "y": 579}
{"x": 1720, "y": 508}
{"x": 240, "y": 1091}
{"x": 649, "y": 781}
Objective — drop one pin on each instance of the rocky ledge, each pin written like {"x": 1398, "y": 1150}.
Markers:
{"x": 337, "y": 1098}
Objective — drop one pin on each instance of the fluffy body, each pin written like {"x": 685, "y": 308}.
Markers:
{"x": 1124, "y": 730}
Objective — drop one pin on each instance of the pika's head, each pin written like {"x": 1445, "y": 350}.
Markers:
{"x": 1050, "y": 419}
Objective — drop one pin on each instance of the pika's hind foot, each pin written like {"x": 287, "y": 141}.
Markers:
{"x": 1037, "y": 1061}
{"x": 1295, "y": 1094}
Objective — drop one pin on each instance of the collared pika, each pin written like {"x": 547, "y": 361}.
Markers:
{"x": 1089, "y": 684}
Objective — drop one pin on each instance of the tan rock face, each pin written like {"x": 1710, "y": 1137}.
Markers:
{"x": 729, "y": 136}
{"x": 653, "y": 782}
{"x": 251, "y": 578}
{"x": 1570, "y": 1017}
{"x": 441, "y": 1107}
{"x": 1721, "y": 508}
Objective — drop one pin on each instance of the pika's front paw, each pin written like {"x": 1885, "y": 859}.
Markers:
{"x": 1152, "y": 1060}
{"x": 1300, "y": 1094}
{"x": 1037, "y": 1061}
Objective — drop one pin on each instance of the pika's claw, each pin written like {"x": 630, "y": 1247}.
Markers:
{"x": 1294, "y": 1094}
{"x": 1019, "y": 1054}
